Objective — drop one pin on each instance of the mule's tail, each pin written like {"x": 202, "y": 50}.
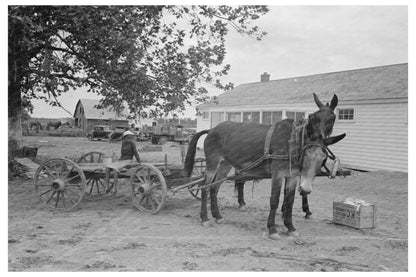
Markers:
{"x": 190, "y": 155}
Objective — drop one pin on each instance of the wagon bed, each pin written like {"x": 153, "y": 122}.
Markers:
{"x": 61, "y": 184}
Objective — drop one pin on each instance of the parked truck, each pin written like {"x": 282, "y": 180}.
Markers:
{"x": 164, "y": 133}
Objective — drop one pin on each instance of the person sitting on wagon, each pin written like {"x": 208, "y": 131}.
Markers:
{"x": 128, "y": 147}
{"x": 128, "y": 150}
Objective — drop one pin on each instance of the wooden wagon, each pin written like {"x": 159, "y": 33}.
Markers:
{"x": 60, "y": 183}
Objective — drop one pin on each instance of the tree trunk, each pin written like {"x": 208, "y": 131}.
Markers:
{"x": 15, "y": 135}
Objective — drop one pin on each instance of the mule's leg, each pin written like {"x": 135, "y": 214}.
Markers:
{"x": 209, "y": 177}
{"x": 305, "y": 206}
{"x": 274, "y": 204}
{"x": 222, "y": 172}
{"x": 240, "y": 190}
{"x": 289, "y": 198}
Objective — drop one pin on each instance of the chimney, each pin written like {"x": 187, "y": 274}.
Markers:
{"x": 265, "y": 77}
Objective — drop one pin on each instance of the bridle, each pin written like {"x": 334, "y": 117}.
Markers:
{"x": 328, "y": 153}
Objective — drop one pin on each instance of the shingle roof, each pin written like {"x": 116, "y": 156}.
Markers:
{"x": 93, "y": 113}
{"x": 361, "y": 84}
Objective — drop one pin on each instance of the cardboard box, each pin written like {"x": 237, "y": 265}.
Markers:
{"x": 357, "y": 216}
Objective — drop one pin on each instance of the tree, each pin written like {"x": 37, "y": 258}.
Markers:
{"x": 146, "y": 57}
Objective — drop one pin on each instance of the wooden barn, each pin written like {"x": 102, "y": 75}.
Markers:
{"x": 86, "y": 116}
{"x": 372, "y": 111}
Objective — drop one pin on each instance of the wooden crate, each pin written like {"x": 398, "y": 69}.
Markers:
{"x": 346, "y": 214}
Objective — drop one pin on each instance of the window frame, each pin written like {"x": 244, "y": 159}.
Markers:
{"x": 346, "y": 115}
{"x": 250, "y": 113}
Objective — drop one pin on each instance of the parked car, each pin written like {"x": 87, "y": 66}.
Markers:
{"x": 99, "y": 132}
{"x": 117, "y": 133}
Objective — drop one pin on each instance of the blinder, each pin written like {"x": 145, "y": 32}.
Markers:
{"x": 326, "y": 150}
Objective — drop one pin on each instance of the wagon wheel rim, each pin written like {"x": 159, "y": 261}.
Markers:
{"x": 149, "y": 189}
{"x": 59, "y": 184}
{"x": 92, "y": 157}
{"x": 198, "y": 169}
{"x": 96, "y": 183}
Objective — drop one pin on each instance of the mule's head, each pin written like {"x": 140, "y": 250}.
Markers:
{"x": 311, "y": 160}
{"x": 320, "y": 123}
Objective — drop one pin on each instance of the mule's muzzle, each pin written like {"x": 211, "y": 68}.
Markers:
{"x": 304, "y": 191}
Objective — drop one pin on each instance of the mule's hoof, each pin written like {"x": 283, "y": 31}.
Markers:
{"x": 207, "y": 223}
{"x": 308, "y": 216}
{"x": 242, "y": 208}
{"x": 267, "y": 235}
{"x": 274, "y": 236}
{"x": 292, "y": 233}
{"x": 219, "y": 220}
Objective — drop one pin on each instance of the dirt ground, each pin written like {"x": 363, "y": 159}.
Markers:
{"x": 109, "y": 234}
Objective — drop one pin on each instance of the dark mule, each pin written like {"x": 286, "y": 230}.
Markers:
{"x": 323, "y": 122}
{"x": 55, "y": 125}
{"x": 284, "y": 154}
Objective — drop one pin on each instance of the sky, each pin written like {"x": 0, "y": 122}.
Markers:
{"x": 301, "y": 40}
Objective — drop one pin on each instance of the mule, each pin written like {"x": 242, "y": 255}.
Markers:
{"x": 55, "y": 125}
{"x": 324, "y": 120}
{"x": 239, "y": 145}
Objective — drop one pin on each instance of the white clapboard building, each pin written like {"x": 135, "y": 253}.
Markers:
{"x": 372, "y": 111}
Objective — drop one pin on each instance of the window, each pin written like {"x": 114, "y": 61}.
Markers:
{"x": 205, "y": 115}
{"x": 346, "y": 114}
{"x": 216, "y": 118}
{"x": 251, "y": 116}
{"x": 234, "y": 117}
{"x": 297, "y": 116}
{"x": 271, "y": 117}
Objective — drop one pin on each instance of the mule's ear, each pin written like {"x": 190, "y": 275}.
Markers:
{"x": 317, "y": 101}
{"x": 333, "y": 140}
{"x": 334, "y": 102}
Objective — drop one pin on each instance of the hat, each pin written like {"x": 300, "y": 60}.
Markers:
{"x": 126, "y": 133}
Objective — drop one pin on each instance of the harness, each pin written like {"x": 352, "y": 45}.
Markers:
{"x": 292, "y": 144}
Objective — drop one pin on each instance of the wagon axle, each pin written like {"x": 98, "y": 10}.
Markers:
{"x": 58, "y": 185}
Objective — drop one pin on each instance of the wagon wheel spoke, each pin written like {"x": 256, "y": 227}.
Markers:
{"x": 50, "y": 198}
{"x": 141, "y": 179}
{"x": 67, "y": 174}
{"x": 69, "y": 197}
{"x": 73, "y": 192}
{"x": 100, "y": 184}
{"x": 147, "y": 202}
{"x": 92, "y": 184}
{"x": 43, "y": 193}
{"x": 156, "y": 198}
{"x": 151, "y": 202}
{"x": 156, "y": 186}
{"x": 49, "y": 173}
{"x": 72, "y": 178}
{"x": 57, "y": 199}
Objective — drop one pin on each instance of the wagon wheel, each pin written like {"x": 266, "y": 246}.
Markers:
{"x": 96, "y": 184}
{"x": 199, "y": 169}
{"x": 59, "y": 184}
{"x": 149, "y": 189}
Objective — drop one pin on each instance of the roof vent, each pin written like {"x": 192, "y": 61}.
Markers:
{"x": 265, "y": 77}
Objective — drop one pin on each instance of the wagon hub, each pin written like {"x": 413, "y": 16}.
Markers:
{"x": 58, "y": 185}
{"x": 144, "y": 188}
